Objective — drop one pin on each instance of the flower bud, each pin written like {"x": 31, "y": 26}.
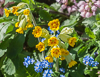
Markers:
{"x": 81, "y": 3}
{"x": 2, "y": 1}
{"x": 97, "y": 3}
{"x": 93, "y": 8}
{"x": 63, "y": 6}
{"x": 64, "y": 1}
{"x": 81, "y": 8}
{"x": 22, "y": 23}
{"x": 87, "y": 0}
{"x": 87, "y": 7}
{"x": 45, "y": 33}
{"x": 83, "y": 13}
{"x": 69, "y": 9}
{"x": 68, "y": 58}
{"x": 74, "y": 8}
{"x": 67, "y": 30}
{"x": 93, "y": 1}
{"x": 57, "y": 0}
{"x": 88, "y": 14}
{"x": 64, "y": 37}
{"x": 21, "y": 5}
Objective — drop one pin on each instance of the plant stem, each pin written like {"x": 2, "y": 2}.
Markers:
{"x": 57, "y": 65}
{"x": 34, "y": 23}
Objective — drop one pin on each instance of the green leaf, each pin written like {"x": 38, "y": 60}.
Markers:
{"x": 6, "y": 1}
{"x": 76, "y": 49}
{"x": 82, "y": 51}
{"x": 71, "y": 22}
{"x": 10, "y": 28}
{"x": 76, "y": 74}
{"x": 97, "y": 58}
{"x": 87, "y": 72}
{"x": 98, "y": 16}
{"x": 9, "y": 67}
{"x": 15, "y": 46}
{"x": 89, "y": 21}
{"x": 90, "y": 33}
{"x": 2, "y": 52}
{"x": 32, "y": 41}
{"x": 81, "y": 68}
{"x": 26, "y": 1}
{"x": 45, "y": 15}
{"x": 56, "y": 6}
{"x": 5, "y": 43}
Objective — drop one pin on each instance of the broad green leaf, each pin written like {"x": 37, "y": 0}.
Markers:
{"x": 90, "y": 33}
{"x": 4, "y": 43}
{"x": 45, "y": 15}
{"x": 9, "y": 67}
{"x": 93, "y": 73}
{"x": 32, "y": 41}
{"x": 15, "y": 46}
{"x": 81, "y": 68}
{"x": 76, "y": 74}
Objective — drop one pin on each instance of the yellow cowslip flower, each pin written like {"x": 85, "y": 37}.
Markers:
{"x": 15, "y": 9}
{"x": 62, "y": 58}
{"x": 29, "y": 25}
{"x": 53, "y": 41}
{"x": 55, "y": 52}
{"x": 17, "y": 13}
{"x": 54, "y": 24}
{"x": 40, "y": 46}
{"x": 72, "y": 41}
{"x": 20, "y": 30}
{"x": 26, "y": 12}
{"x": 17, "y": 24}
{"x": 49, "y": 58}
{"x": 72, "y": 63}
{"x": 37, "y": 31}
{"x": 7, "y": 12}
{"x": 64, "y": 52}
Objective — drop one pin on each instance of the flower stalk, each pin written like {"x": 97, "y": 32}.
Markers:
{"x": 57, "y": 65}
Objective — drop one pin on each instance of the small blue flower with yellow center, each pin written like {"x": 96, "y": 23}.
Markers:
{"x": 47, "y": 73}
{"x": 62, "y": 70}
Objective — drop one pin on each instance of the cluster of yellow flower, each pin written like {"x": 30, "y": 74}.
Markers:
{"x": 24, "y": 17}
{"x": 57, "y": 46}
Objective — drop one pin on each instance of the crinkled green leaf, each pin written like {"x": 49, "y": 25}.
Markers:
{"x": 89, "y": 21}
{"x": 9, "y": 67}
{"x": 56, "y": 6}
